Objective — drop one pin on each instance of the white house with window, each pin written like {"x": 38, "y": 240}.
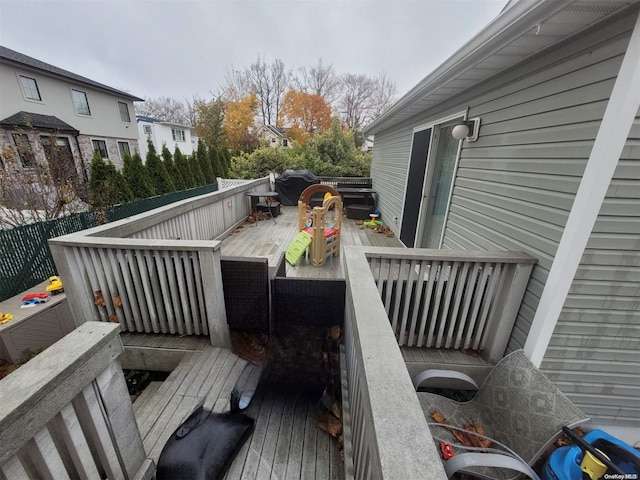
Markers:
{"x": 161, "y": 132}
{"x": 40, "y": 100}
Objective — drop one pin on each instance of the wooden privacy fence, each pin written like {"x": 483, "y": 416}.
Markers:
{"x": 67, "y": 413}
{"x": 447, "y": 299}
{"x": 156, "y": 272}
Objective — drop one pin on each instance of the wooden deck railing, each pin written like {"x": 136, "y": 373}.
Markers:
{"x": 67, "y": 413}
{"x": 416, "y": 297}
{"x": 447, "y": 299}
{"x": 157, "y": 272}
{"x": 386, "y": 434}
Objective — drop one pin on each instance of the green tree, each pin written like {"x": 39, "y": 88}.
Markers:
{"x": 106, "y": 185}
{"x": 226, "y": 158}
{"x": 158, "y": 174}
{"x": 171, "y": 168}
{"x": 205, "y": 163}
{"x": 136, "y": 177}
{"x": 216, "y": 164}
{"x": 182, "y": 165}
{"x": 210, "y": 120}
{"x": 334, "y": 153}
{"x": 198, "y": 176}
{"x": 259, "y": 163}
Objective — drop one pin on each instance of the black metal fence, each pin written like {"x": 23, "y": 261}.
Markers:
{"x": 25, "y": 258}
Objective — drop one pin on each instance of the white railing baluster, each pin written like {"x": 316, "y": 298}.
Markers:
{"x": 174, "y": 291}
{"x": 413, "y": 334}
{"x": 455, "y": 298}
{"x": 427, "y": 303}
{"x": 478, "y": 296}
{"x": 200, "y": 294}
{"x": 404, "y": 334}
{"x": 143, "y": 314}
{"x": 169, "y": 322}
{"x": 470, "y": 287}
{"x": 435, "y": 273}
{"x": 192, "y": 293}
{"x": 496, "y": 275}
{"x": 444, "y": 274}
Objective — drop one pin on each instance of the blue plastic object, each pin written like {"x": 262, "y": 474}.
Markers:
{"x": 564, "y": 462}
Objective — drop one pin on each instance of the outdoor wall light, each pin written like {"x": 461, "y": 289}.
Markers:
{"x": 467, "y": 130}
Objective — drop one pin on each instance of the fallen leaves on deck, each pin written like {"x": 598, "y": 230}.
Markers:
{"x": 466, "y": 439}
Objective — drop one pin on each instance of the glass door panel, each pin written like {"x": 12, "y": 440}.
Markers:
{"x": 438, "y": 187}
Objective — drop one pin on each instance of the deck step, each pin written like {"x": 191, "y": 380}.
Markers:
{"x": 147, "y": 393}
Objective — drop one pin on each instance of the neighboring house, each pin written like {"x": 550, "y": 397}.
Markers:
{"x": 273, "y": 136}
{"x": 39, "y": 99}
{"x": 171, "y": 134}
{"x": 555, "y": 172}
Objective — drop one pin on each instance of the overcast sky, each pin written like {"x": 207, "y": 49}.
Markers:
{"x": 179, "y": 48}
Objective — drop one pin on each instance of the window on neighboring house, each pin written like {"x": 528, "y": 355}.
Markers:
{"x": 30, "y": 88}
{"x": 123, "y": 147}
{"x": 285, "y": 142}
{"x": 25, "y": 152}
{"x": 124, "y": 112}
{"x": 80, "y": 102}
{"x": 60, "y": 158}
{"x": 146, "y": 129}
{"x": 100, "y": 146}
{"x": 273, "y": 139}
{"x": 178, "y": 135}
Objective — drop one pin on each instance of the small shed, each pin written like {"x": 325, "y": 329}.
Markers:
{"x": 292, "y": 183}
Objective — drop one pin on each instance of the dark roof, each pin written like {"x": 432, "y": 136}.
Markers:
{"x": 36, "y": 120}
{"x": 11, "y": 56}
{"x": 277, "y": 130}
{"x": 147, "y": 119}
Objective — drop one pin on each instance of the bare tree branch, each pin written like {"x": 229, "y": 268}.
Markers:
{"x": 164, "y": 108}
{"x": 320, "y": 80}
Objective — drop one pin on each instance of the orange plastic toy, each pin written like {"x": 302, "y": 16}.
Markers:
{"x": 325, "y": 238}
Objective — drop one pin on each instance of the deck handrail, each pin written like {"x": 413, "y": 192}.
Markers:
{"x": 156, "y": 272}
{"x": 67, "y": 414}
{"x": 386, "y": 433}
{"x": 451, "y": 299}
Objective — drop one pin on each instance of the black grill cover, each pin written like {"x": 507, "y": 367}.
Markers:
{"x": 292, "y": 183}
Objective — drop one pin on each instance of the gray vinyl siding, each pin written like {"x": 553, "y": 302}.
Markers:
{"x": 389, "y": 172}
{"x": 594, "y": 353}
{"x": 514, "y": 189}
{"x": 515, "y": 186}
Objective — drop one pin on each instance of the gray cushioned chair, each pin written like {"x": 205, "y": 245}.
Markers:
{"x": 516, "y": 405}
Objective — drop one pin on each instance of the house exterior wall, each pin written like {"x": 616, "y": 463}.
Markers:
{"x": 514, "y": 189}
{"x": 161, "y": 133}
{"x": 593, "y": 353}
{"x": 104, "y": 123}
{"x": 56, "y": 100}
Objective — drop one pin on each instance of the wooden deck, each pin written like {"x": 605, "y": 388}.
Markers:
{"x": 285, "y": 443}
{"x": 267, "y": 238}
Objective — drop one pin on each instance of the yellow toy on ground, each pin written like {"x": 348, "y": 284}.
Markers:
{"x": 325, "y": 235}
{"x": 55, "y": 285}
{"x": 5, "y": 317}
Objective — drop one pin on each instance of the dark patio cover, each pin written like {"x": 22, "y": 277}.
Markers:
{"x": 292, "y": 183}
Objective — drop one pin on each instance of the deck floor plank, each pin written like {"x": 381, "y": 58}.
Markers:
{"x": 309, "y": 446}
{"x": 268, "y": 239}
{"x": 294, "y": 463}
{"x": 283, "y": 445}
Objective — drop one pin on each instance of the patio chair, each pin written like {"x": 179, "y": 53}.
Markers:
{"x": 517, "y": 405}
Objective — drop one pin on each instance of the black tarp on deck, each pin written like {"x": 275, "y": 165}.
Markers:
{"x": 292, "y": 183}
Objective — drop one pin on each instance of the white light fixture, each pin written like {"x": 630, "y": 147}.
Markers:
{"x": 467, "y": 130}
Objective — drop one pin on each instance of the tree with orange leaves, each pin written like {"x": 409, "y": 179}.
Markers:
{"x": 305, "y": 114}
{"x": 238, "y": 123}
